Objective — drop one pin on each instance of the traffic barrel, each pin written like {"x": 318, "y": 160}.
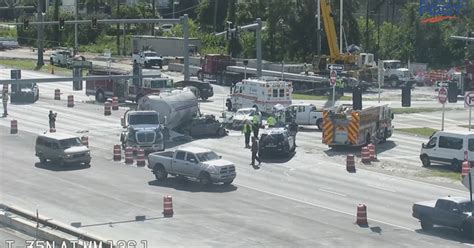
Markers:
{"x": 466, "y": 168}
{"x": 85, "y": 140}
{"x": 13, "y": 126}
{"x": 362, "y": 215}
{"x": 57, "y": 94}
{"x": 140, "y": 157}
{"x": 70, "y": 101}
{"x": 350, "y": 163}
{"x": 167, "y": 206}
{"x": 107, "y": 109}
{"x": 115, "y": 103}
{"x": 365, "y": 155}
{"x": 372, "y": 154}
{"x": 118, "y": 153}
{"x": 128, "y": 155}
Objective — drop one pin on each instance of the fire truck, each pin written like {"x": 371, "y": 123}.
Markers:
{"x": 263, "y": 93}
{"x": 343, "y": 126}
{"x": 123, "y": 89}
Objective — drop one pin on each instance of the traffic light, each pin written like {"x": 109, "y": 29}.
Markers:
{"x": 94, "y": 22}
{"x": 61, "y": 23}
{"x": 470, "y": 35}
{"x": 228, "y": 34}
{"x": 453, "y": 92}
{"x": 356, "y": 98}
{"x": 406, "y": 95}
{"x": 26, "y": 24}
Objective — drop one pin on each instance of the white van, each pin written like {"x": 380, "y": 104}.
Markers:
{"x": 448, "y": 148}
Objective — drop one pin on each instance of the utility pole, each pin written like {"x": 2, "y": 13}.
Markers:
{"x": 340, "y": 26}
{"x": 153, "y": 16}
{"x": 76, "y": 43}
{"x": 215, "y": 15}
{"x": 39, "y": 30}
{"x": 318, "y": 34}
{"x": 118, "y": 28}
{"x": 186, "y": 46}
{"x": 259, "y": 47}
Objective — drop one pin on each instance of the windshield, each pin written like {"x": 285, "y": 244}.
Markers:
{"x": 151, "y": 55}
{"x": 207, "y": 156}
{"x": 162, "y": 83}
{"x": 67, "y": 143}
{"x": 143, "y": 119}
{"x": 394, "y": 65}
{"x": 465, "y": 207}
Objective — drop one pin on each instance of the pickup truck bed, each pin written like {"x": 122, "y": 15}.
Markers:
{"x": 168, "y": 154}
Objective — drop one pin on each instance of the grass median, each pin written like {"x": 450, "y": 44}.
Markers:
{"x": 30, "y": 64}
{"x": 439, "y": 172}
{"x": 418, "y": 131}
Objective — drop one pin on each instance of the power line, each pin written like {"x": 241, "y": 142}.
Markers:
{"x": 183, "y": 10}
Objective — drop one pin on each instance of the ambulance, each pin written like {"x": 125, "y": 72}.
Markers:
{"x": 263, "y": 93}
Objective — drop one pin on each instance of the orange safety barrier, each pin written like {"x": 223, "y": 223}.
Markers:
{"x": 167, "y": 206}
{"x": 13, "y": 126}
{"x": 350, "y": 163}
{"x": 85, "y": 140}
{"x": 118, "y": 153}
{"x": 466, "y": 168}
{"x": 70, "y": 101}
{"x": 362, "y": 215}
{"x": 140, "y": 157}
{"x": 115, "y": 103}
{"x": 57, "y": 94}
{"x": 365, "y": 155}
{"x": 372, "y": 153}
{"x": 128, "y": 155}
{"x": 107, "y": 109}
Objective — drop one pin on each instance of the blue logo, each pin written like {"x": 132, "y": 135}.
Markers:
{"x": 442, "y": 7}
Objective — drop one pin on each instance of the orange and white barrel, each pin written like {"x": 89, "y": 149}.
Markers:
{"x": 466, "y": 168}
{"x": 362, "y": 215}
{"x": 70, "y": 101}
{"x": 13, "y": 126}
{"x": 85, "y": 140}
{"x": 168, "y": 206}
{"x": 372, "y": 153}
{"x": 115, "y": 105}
{"x": 107, "y": 109}
{"x": 57, "y": 94}
{"x": 365, "y": 154}
{"x": 128, "y": 155}
{"x": 350, "y": 163}
{"x": 118, "y": 153}
{"x": 140, "y": 157}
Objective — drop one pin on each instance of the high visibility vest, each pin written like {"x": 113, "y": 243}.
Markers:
{"x": 271, "y": 121}
{"x": 255, "y": 120}
{"x": 246, "y": 128}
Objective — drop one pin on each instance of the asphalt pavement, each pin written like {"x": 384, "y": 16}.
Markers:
{"x": 306, "y": 200}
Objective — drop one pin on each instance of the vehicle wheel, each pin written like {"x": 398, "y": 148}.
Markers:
{"x": 287, "y": 151}
{"x": 467, "y": 230}
{"x": 42, "y": 159}
{"x": 425, "y": 160}
{"x": 426, "y": 224}
{"x": 204, "y": 179}
{"x": 457, "y": 165}
{"x": 99, "y": 96}
{"x": 87, "y": 163}
{"x": 204, "y": 98}
{"x": 160, "y": 172}
{"x": 319, "y": 123}
{"x": 221, "y": 132}
{"x": 394, "y": 82}
{"x": 229, "y": 182}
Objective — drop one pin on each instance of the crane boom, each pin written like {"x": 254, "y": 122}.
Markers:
{"x": 330, "y": 28}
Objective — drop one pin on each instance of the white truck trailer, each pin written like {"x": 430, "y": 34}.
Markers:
{"x": 164, "y": 46}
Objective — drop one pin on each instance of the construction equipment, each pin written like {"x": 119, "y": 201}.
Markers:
{"x": 343, "y": 126}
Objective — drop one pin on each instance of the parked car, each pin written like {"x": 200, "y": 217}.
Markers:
{"x": 9, "y": 43}
{"x": 205, "y": 89}
{"x": 193, "y": 162}
{"x": 62, "y": 149}
{"x": 205, "y": 126}
{"x": 454, "y": 212}
{"x": 276, "y": 140}
{"x": 448, "y": 147}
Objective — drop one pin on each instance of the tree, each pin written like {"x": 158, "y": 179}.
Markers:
{"x": 233, "y": 48}
{"x": 207, "y": 13}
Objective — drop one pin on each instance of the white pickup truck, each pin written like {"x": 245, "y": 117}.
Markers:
{"x": 306, "y": 114}
{"x": 148, "y": 59}
{"x": 192, "y": 162}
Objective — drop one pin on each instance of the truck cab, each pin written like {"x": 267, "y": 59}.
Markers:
{"x": 60, "y": 57}
{"x": 142, "y": 130}
{"x": 148, "y": 59}
{"x": 24, "y": 92}
{"x": 306, "y": 114}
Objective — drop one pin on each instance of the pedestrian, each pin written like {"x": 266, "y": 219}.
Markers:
{"x": 52, "y": 119}
{"x": 306, "y": 69}
{"x": 293, "y": 128}
{"x": 254, "y": 150}
{"x": 256, "y": 124}
{"x": 271, "y": 121}
{"x": 247, "y": 130}
{"x": 5, "y": 103}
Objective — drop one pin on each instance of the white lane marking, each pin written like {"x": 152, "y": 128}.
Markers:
{"x": 381, "y": 188}
{"x": 332, "y": 192}
{"x": 321, "y": 206}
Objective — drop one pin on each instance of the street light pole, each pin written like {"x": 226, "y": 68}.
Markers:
{"x": 76, "y": 45}
{"x": 39, "y": 29}
{"x": 319, "y": 28}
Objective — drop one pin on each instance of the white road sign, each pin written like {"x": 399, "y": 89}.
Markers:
{"x": 469, "y": 99}
{"x": 335, "y": 67}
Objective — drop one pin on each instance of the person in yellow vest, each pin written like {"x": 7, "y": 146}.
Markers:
{"x": 271, "y": 121}
{"x": 256, "y": 125}
{"x": 247, "y": 130}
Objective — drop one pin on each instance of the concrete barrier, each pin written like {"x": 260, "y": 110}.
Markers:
{"x": 50, "y": 230}
{"x": 180, "y": 68}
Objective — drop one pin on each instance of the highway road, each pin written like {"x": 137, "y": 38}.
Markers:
{"x": 9, "y": 236}
{"x": 308, "y": 200}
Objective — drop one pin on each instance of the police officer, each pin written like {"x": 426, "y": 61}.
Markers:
{"x": 52, "y": 119}
{"x": 247, "y": 130}
{"x": 254, "y": 150}
{"x": 271, "y": 121}
{"x": 5, "y": 99}
{"x": 256, "y": 125}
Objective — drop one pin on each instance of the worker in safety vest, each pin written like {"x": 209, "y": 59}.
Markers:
{"x": 256, "y": 125}
{"x": 5, "y": 99}
{"x": 271, "y": 121}
{"x": 247, "y": 130}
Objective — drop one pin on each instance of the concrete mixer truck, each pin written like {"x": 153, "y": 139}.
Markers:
{"x": 175, "y": 108}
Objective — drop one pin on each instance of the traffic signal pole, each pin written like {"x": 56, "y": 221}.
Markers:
{"x": 40, "y": 34}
